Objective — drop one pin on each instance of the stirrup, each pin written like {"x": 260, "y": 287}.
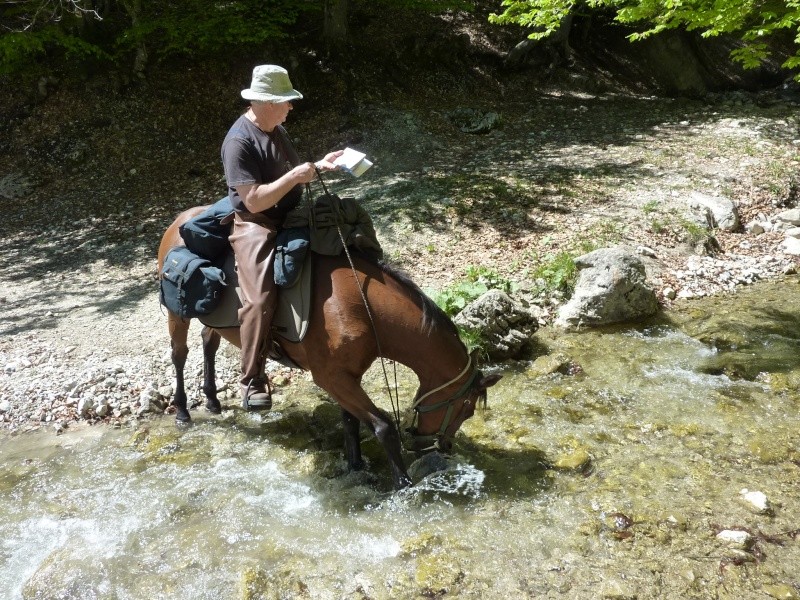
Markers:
{"x": 246, "y": 397}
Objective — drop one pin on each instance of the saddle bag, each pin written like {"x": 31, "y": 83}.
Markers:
{"x": 190, "y": 285}
{"x": 207, "y": 233}
{"x": 291, "y": 246}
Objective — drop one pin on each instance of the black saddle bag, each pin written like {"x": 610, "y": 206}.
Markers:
{"x": 207, "y": 233}
{"x": 190, "y": 285}
{"x": 291, "y": 246}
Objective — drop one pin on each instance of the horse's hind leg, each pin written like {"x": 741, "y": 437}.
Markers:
{"x": 352, "y": 441}
{"x": 211, "y": 340}
{"x": 178, "y": 335}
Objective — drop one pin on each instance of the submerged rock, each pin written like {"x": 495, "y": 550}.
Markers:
{"x": 438, "y": 574}
{"x": 577, "y": 460}
{"x": 432, "y": 462}
{"x": 781, "y": 591}
{"x": 736, "y": 538}
{"x": 757, "y": 501}
{"x": 619, "y": 590}
{"x": 552, "y": 363}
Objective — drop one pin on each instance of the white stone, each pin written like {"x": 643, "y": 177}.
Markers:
{"x": 146, "y": 395}
{"x": 781, "y": 226}
{"x": 669, "y": 293}
{"x": 734, "y": 537}
{"x": 754, "y": 227}
{"x": 722, "y": 210}
{"x": 789, "y": 216}
{"x": 85, "y": 404}
{"x": 758, "y": 501}
{"x": 791, "y": 246}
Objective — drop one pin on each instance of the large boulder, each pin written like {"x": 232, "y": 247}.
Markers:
{"x": 611, "y": 288}
{"x": 503, "y": 323}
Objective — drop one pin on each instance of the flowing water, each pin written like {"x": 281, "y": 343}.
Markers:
{"x": 603, "y": 470}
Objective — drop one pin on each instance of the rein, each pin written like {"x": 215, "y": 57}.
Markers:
{"x": 444, "y": 385}
{"x": 394, "y": 399}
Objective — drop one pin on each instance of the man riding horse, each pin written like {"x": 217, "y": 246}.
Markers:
{"x": 265, "y": 181}
{"x": 362, "y": 309}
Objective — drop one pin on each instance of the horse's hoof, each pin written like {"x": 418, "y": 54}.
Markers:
{"x": 183, "y": 420}
{"x": 215, "y": 408}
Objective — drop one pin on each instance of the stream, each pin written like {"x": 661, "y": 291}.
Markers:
{"x": 606, "y": 468}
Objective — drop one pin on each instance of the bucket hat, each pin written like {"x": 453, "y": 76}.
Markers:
{"x": 271, "y": 84}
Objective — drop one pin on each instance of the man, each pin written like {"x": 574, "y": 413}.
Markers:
{"x": 265, "y": 181}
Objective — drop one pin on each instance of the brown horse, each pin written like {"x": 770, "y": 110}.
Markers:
{"x": 340, "y": 345}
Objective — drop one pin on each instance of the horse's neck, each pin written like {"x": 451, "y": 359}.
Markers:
{"x": 435, "y": 358}
{"x": 436, "y": 354}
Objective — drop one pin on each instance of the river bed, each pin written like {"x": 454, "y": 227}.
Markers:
{"x": 605, "y": 469}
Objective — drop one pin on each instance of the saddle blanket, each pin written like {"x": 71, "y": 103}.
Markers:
{"x": 291, "y": 315}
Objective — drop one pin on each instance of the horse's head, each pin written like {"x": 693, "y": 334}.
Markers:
{"x": 439, "y": 415}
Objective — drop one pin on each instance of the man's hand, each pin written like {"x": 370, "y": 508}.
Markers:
{"x": 303, "y": 173}
{"x": 326, "y": 164}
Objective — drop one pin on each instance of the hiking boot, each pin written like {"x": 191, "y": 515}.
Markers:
{"x": 256, "y": 396}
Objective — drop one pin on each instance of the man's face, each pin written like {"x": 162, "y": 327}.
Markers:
{"x": 278, "y": 111}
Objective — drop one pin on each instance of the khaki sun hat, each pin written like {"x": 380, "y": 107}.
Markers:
{"x": 271, "y": 84}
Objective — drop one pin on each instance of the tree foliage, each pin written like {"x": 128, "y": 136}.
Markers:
{"x": 755, "y": 22}
{"x": 113, "y": 30}
{"x": 125, "y": 31}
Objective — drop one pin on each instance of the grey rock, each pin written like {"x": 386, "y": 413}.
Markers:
{"x": 721, "y": 212}
{"x": 505, "y": 324}
{"x": 611, "y": 288}
{"x": 792, "y": 217}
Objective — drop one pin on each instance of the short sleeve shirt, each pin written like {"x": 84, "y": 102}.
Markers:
{"x": 252, "y": 156}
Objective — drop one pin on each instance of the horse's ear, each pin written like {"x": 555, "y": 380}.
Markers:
{"x": 489, "y": 381}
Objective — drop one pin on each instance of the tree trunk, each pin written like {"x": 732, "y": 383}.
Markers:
{"x": 134, "y": 10}
{"x": 334, "y": 31}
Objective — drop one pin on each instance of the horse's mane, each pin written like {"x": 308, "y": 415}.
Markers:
{"x": 433, "y": 317}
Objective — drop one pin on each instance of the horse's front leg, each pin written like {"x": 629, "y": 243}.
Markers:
{"x": 211, "y": 339}
{"x": 386, "y": 432}
{"x": 352, "y": 441}
{"x": 347, "y": 391}
{"x": 178, "y": 335}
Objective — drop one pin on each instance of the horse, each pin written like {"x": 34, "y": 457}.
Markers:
{"x": 344, "y": 337}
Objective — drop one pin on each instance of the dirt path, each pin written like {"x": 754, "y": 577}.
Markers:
{"x": 81, "y": 326}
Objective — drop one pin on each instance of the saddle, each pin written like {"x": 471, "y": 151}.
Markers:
{"x": 336, "y": 222}
{"x": 291, "y": 315}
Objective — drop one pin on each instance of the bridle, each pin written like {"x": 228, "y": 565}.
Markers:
{"x": 435, "y": 441}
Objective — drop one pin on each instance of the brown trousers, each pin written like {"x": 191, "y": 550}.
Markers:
{"x": 253, "y": 241}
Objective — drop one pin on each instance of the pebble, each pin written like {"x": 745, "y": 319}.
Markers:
{"x": 757, "y": 501}
{"x": 735, "y": 538}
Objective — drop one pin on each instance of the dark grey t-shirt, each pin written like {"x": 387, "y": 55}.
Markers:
{"x": 251, "y": 156}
